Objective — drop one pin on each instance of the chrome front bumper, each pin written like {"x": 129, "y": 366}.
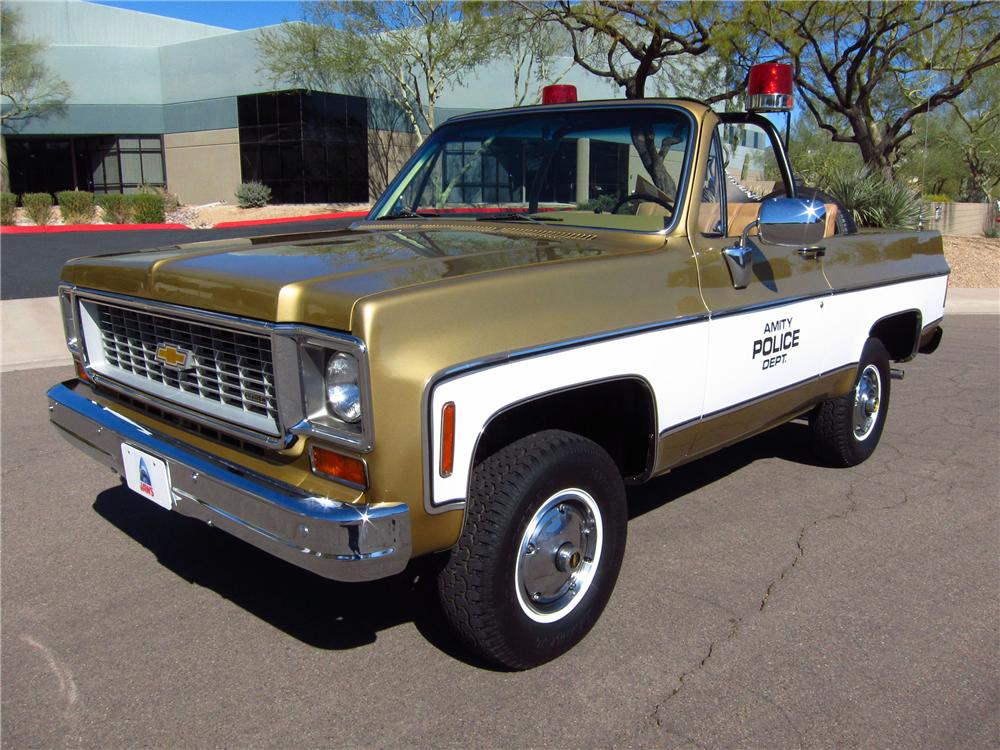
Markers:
{"x": 342, "y": 541}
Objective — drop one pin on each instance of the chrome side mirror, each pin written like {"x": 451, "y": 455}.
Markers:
{"x": 792, "y": 222}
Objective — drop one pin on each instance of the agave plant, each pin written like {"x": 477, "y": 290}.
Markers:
{"x": 875, "y": 200}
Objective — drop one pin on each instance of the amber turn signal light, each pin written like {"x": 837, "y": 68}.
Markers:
{"x": 82, "y": 373}
{"x": 447, "y": 439}
{"x": 336, "y": 466}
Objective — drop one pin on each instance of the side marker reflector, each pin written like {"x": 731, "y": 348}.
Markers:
{"x": 447, "y": 439}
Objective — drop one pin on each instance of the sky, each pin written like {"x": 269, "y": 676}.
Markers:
{"x": 230, "y": 14}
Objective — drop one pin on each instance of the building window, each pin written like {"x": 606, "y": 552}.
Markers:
{"x": 101, "y": 164}
{"x": 308, "y": 147}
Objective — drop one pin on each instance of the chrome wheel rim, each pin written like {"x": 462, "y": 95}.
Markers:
{"x": 867, "y": 400}
{"x": 558, "y": 555}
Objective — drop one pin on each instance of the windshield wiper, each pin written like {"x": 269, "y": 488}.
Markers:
{"x": 407, "y": 214}
{"x": 513, "y": 216}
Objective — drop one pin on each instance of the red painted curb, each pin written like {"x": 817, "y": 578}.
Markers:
{"x": 88, "y": 228}
{"x": 232, "y": 224}
{"x": 291, "y": 219}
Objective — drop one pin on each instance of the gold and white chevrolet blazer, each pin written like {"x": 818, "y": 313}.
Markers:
{"x": 548, "y": 304}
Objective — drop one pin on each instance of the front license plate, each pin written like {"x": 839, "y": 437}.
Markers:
{"x": 147, "y": 475}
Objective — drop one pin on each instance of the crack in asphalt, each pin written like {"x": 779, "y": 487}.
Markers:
{"x": 32, "y": 459}
{"x": 736, "y": 623}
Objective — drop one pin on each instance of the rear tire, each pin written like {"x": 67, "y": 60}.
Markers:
{"x": 846, "y": 430}
{"x": 543, "y": 542}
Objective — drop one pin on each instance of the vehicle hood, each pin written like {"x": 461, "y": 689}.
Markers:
{"x": 318, "y": 278}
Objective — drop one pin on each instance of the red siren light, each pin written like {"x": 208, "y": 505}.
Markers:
{"x": 558, "y": 94}
{"x": 770, "y": 88}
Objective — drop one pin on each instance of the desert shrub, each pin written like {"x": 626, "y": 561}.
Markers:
{"x": 117, "y": 208}
{"x": 874, "y": 200}
{"x": 38, "y": 206}
{"x": 8, "y": 208}
{"x": 170, "y": 201}
{"x": 600, "y": 204}
{"x": 253, "y": 195}
{"x": 77, "y": 206}
{"x": 147, "y": 208}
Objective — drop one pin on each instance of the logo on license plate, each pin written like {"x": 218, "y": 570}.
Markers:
{"x": 145, "y": 482}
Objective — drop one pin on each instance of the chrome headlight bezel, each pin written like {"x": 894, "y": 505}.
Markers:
{"x": 71, "y": 328}
{"x": 319, "y": 419}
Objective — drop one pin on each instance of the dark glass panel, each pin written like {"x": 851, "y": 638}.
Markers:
{"x": 336, "y": 163}
{"x": 152, "y": 168}
{"x": 270, "y": 162}
{"x": 246, "y": 107}
{"x": 250, "y": 162}
{"x": 291, "y": 132}
{"x": 288, "y": 108}
{"x": 314, "y": 107}
{"x": 131, "y": 169}
{"x": 358, "y": 192}
{"x": 291, "y": 160}
{"x": 335, "y": 110}
{"x": 267, "y": 109}
{"x": 314, "y": 160}
{"x": 316, "y": 192}
{"x": 357, "y": 111}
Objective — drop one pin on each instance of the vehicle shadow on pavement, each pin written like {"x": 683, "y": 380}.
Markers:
{"x": 331, "y": 615}
{"x": 789, "y": 442}
{"x": 322, "y": 613}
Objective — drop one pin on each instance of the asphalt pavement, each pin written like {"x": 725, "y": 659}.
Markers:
{"x": 765, "y": 602}
{"x": 31, "y": 262}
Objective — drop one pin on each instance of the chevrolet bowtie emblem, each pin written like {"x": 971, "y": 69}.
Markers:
{"x": 171, "y": 356}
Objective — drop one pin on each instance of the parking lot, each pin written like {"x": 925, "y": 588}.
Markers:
{"x": 764, "y": 602}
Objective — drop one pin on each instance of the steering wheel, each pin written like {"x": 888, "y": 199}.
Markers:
{"x": 644, "y": 198}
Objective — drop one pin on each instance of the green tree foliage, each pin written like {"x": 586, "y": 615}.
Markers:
{"x": 27, "y": 87}
{"x": 955, "y": 151}
{"x": 867, "y": 70}
{"x": 405, "y": 51}
{"x": 979, "y": 134}
{"x": 535, "y": 50}
{"x": 629, "y": 43}
{"x": 815, "y": 158}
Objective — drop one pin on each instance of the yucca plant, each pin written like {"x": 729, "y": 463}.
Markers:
{"x": 874, "y": 200}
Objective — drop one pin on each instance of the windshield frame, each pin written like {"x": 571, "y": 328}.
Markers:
{"x": 427, "y": 150}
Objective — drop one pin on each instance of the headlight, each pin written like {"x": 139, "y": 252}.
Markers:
{"x": 336, "y": 389}
{"x": 343, "y": 393}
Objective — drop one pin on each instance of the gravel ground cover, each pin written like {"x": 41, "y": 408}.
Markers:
{"x": 975, "y": 261}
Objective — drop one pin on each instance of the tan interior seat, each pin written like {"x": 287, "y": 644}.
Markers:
{"x": 648, "y": 208}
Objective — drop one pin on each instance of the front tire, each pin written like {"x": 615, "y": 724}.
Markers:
{"x": 543, "y": 542}
{"x": 846, "y": 430}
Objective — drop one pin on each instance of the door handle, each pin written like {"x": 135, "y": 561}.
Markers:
{"x": 812, "y": 253}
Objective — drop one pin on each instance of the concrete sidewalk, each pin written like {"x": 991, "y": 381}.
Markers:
{"x": 31, "y": 333}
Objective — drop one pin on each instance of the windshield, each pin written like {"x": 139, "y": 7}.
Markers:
{"x": 614, "y": 168}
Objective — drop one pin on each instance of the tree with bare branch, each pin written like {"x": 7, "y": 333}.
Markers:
{"x": 406, "y": 51}
{"x": 866, "y": 70}
{"x": 28, "y": 88}
{"x": 630, "y": 42}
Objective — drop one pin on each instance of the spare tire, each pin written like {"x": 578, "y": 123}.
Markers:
{"x": 845, "y": 221}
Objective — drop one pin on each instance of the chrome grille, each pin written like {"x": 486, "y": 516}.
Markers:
{"x": 228, "y": 370}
